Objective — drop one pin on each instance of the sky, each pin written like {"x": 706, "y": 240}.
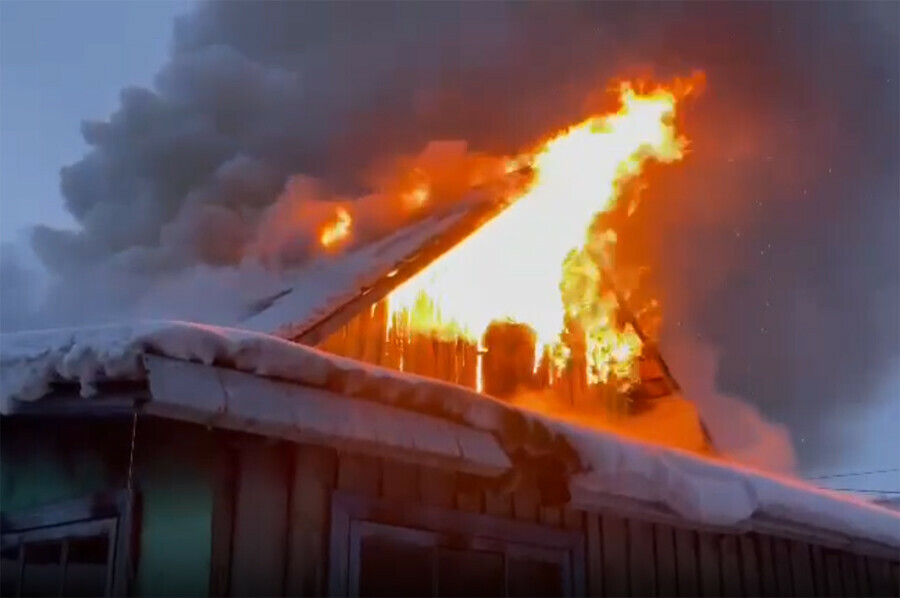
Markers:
{"x": 56, "y": 69}
{"x": 65, "y": 62}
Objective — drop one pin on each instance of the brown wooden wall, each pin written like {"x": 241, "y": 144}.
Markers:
{"x": 368, "y": 337}
{"x": 271, "y": 529}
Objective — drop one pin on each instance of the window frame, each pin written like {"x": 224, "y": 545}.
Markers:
{"x": 353, "y": 517}
{"x": 111, "y": 513}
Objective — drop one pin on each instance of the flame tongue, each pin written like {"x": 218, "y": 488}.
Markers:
{"x": 540, "y": 262}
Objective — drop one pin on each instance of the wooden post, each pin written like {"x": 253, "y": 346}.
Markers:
{"x": 509, "y": 359}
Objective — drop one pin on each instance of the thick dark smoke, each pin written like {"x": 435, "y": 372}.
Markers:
{"x": 776, "y": 240}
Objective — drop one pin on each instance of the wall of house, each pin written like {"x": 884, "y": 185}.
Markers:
{"x": 43, "y": 461}
{"x": 274, "y": 526}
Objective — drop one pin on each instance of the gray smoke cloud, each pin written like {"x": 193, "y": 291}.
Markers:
{"x": 776, "y": 240}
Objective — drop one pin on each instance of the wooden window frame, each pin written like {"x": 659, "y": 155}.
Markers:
{"x": 111, "y": 513}
{"x": 353, "y": 517}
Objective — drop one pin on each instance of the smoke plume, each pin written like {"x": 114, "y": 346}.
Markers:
{"x": 776, "y": 240}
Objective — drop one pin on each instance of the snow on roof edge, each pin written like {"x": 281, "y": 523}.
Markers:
{"x": 699, "y": 489}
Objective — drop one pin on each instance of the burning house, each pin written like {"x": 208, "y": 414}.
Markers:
{"x": 471, "y": 405}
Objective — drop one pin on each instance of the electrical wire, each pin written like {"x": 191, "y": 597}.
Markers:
{"x": 863, "y": 490}
{"x": 854, "y": 474}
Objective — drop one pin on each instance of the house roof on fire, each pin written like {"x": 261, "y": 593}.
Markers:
{"x": 266, "y": 385}
{"x": 318, "y": 299}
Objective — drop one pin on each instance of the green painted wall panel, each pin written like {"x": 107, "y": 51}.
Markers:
{"x": 43, "y": 461}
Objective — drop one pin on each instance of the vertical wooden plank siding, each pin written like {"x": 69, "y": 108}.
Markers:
{"x": 732, "y": 585}
{"x": 525, "y": 504}
{"x": 399, "y": 481}
{"x": 224, "y": 485}
{"x": 801, "y": 567}
{"x": 688, "y": 566}
{"x": 750, "y": 566}
{"x": 498, "y": 504}
{"x": 881, "y": 578}
{"x": 359, "y": 473}
{"x": 666, "y": 561}
{"x": 862, "y": 576}
{"x": 594, "y": 556}
{"x": 615, "y": 551}
{"x": 833, "y": 573}
{"x": 550, "y": 516}
{"x": 641, "y": 561}
{"x": 768, "y": 578}
{"x": 312, "y": 480}
{"x": 468, "y": 496}
{"x": 710, "y": 571}
{"x": 573, "y": 519}
{"x": 437, "y": 487}
{"x": 848, "y": 575}
{"x": 820, "y": 575}
{"x": 260, "y": 527}
{"x": 783, "y": 573}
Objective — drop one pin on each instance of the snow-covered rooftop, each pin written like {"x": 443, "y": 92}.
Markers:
{"x": 701, "y": 490}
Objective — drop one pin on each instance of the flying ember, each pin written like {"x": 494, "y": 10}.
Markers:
{"x": 541, "y": 262}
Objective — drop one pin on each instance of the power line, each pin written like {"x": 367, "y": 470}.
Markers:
{"x": 865, "y": 490}
{"x": 853, "y": 474}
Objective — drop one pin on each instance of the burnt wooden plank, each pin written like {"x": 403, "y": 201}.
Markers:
{"x": 614, "y": 548}
{"x": 498, "y": 504}
{"x": 666, "y": 563}
{"x": 399, "y": 481}
{"x": 835, "y": 584}
{"x": 260, "y": 527}
{"x": 359, "y": 473}
{"x": 710, "y": 565}
{"x": 224, "y": 485}
{"x": 848, "y": 575}
{"x": 313, "y": 479}
{"x": 750, "y": 565}
{"x": 782, "y": 555}
{"x": 437, "y": 487}
{"x": 686, "y": 558}
{"x": 732, "y": 584}
{"x": 801, "y": 569}
{"x": 820, "y": 575}
{"x": 641, "y": 560}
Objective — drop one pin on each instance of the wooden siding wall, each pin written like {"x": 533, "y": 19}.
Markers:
{"x": 628, "y": 557}
{"x": 367, "y": 337}
{"x": 273, "y": 522}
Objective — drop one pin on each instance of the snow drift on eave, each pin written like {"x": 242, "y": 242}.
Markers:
{"x": 700, "y": 490}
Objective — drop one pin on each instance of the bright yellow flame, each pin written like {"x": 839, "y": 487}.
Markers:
{"x": 539, "y": 262}
{"x": 337, "y": 230}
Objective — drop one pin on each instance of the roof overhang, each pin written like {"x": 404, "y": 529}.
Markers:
{"x": 228, "y": 399}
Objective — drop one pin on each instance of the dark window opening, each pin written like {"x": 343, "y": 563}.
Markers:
{"x": 389, "y": 550}
{"x": 66, "y": 549}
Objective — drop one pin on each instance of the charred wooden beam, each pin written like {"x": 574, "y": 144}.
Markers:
{"x": 508, "y": 362}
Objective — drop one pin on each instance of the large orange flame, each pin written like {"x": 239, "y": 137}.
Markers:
{"x": 338, "y": 230}
{"x": 540, "y": 261}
